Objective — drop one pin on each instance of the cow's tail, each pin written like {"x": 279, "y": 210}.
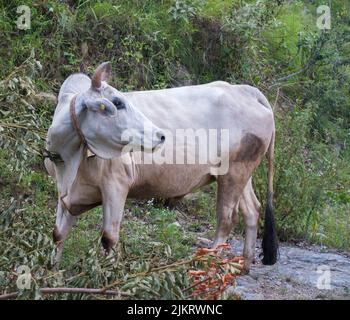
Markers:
{"x": 270, "y": 241}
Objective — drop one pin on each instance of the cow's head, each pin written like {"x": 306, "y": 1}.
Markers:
{"x": 110, "y": 120}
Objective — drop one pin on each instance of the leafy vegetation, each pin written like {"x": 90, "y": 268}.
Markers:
{"x": 274, "y": 45}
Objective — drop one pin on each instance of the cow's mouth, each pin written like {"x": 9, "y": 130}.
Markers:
{"x": 153, "y": 149}
{"x": 143, "y": 149}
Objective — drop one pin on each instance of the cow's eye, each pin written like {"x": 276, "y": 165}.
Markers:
{"x": 118, "y": 103}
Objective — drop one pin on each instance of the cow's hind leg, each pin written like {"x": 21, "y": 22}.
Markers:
{"x": 250, "y": 207}
{"x": 230, "y": 188}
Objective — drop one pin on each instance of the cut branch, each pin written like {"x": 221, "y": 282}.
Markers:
{"x": 278, "y": 81}
{"x": 69, "y": 290}
{"x": 81, "y": 290}
{"x": 7, "y": 296}
{"x": 45, "y": 96}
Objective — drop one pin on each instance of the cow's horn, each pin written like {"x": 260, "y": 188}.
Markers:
{"x": 101, "y": 74}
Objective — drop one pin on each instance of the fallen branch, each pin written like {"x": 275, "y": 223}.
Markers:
{"x": 45, "y": 96}
{"x": 22, "y": 66}
{"x": 82, "y": 290}
{"x": 195, "y": 284}
{"x": 69, "y": 290}
{"x": 158, "y": 269}
{"x": 216, "y": 274}
{"x": 19, "y": 126}
{"x": 7, "y": 296}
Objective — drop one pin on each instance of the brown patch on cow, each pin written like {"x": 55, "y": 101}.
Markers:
{"x": 107, "y": 242}
{"x": 56, "y": 235}
{"x": 251, "y": 147}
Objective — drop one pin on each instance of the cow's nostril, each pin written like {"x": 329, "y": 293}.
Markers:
{"x": 162, "y": 138}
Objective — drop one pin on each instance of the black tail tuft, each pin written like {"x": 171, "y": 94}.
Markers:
{"x": 270, "y": 241}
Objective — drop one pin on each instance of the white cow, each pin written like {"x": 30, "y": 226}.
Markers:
{"x": 93, "y": 115}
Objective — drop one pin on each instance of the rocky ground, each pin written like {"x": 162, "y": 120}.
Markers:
{"x": 302, "y": 272}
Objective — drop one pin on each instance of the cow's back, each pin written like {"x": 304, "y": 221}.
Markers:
{"x": 216, "y": 105}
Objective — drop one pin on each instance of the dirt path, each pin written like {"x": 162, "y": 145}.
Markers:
{"x": 296, "y": 275}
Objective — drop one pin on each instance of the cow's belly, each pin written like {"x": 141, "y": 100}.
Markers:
{"x": 169, "y": 181}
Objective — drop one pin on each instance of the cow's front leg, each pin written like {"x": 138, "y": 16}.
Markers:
{"x": 64, "y": 223}
{"x": 114, "y": 198}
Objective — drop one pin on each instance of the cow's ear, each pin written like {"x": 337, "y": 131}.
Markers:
{"x": 102, "y": 73}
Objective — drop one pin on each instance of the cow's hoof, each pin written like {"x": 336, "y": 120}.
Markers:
{"x": 55, "y": 266}
{"x": 246, "y": 268}
{"x": 56, "y": 235}
{"x": 107, "y": 242}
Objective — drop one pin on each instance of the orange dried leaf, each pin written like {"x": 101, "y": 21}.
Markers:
{"x": 237, "y": 259}
{"x": 223, "y": 245}
{"x": 203, "y": 251}
{"x": 197, "y": 272}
